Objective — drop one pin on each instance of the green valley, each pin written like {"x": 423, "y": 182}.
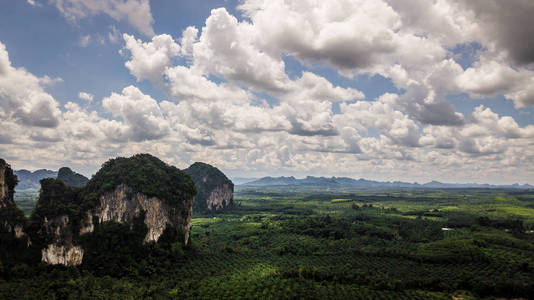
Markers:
{"x": 350, "y": 244}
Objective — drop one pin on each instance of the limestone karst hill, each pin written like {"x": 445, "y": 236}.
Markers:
{"x": 215, "y": 190}
{"x": 8, "y": 181}
{"x": 13, "y": 238}
{"x": 71, "y": 178}
{"x": 127, "y": 206}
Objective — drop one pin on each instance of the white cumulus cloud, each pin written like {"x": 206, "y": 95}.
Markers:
{"x": 86, "y": 96}
{"x": 136, "y": 12}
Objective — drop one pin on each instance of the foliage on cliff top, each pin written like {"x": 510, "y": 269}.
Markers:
{"x": 71, "y": 178}
{"x": 199, "y": 170}
{"x": 56, "y": 198}
{"x": 142, "y": 173}
{"x": 206, "y": 178}
{"x": 10, "y": 178}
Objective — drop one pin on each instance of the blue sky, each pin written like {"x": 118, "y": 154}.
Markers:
{"x": 357, "y": 88}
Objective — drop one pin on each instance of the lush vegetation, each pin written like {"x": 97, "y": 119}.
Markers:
{"x": 119, "y": 250}
{"x": 71, "y": 178}
{"x": 26, "y": 200}
{"x": 11, "y": 218}
{"x": 56, "y": 198}
{"x": 142, "y": 173}
{"x": 394, "y": 244}
{"x": 206, "y": 178}
{"x": 11, "y": 248}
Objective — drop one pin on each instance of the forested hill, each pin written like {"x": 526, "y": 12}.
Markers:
{"x": 215, "y": 190}
{"x": 345, "y": 182}
{"x": 71, "y": 178}
{"x": 107, "y": 223}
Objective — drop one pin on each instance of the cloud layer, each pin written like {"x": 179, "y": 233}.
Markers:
{"x": 135, "y": 12}
{"x": 231, "y": 100}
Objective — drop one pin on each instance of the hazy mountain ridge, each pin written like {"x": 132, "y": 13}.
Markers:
{"x": 364, "y": 183}
{"x": 29, "y": 180}
{"x": 243, "y": 180}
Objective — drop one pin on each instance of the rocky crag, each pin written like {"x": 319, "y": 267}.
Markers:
{"x": 11, "y": 218}
{"x": 8, "y": 181}
{"x": 124, "y": 190}
{"x": 13, "y": 238}
{"x": 140, "y": 200}
{"x": 215, "y": 190}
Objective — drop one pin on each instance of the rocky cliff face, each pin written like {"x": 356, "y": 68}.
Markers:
{"x": 61, "y": 249}
{"x": 67, "y": 214}
{"x": 6, "y": 196}
{"x": 121, "y": 206}
{"x": 220, "y": 197}
{"x": 118, "y": 206}
{"x": 63, "y": 255}
{"x": 12, "y": 220}
{"x": 215, "y": 190}
{"x": 15, "y": 227}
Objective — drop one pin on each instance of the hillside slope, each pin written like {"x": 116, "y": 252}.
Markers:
{"x": 71, "y": 178}
{"x": 215, "y": 190}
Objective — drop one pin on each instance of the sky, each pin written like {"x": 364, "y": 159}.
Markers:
{"x": 411, "y": 90}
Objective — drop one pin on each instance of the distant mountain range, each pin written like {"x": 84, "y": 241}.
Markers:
{"x": 345, "y": 182}
{"x": 242, "y": 180}
{"x": 29, "y": 180}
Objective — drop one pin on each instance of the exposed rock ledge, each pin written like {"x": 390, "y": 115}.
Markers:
{"x": 61, "y": 250}
{"x": 116, "y": 206}
{"x": 65, "y": 255}
{"x": 122, "y": 206}
{"x": 220, "y": 197}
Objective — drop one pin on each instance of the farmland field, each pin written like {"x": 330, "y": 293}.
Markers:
{"x": 278, "y": 243}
